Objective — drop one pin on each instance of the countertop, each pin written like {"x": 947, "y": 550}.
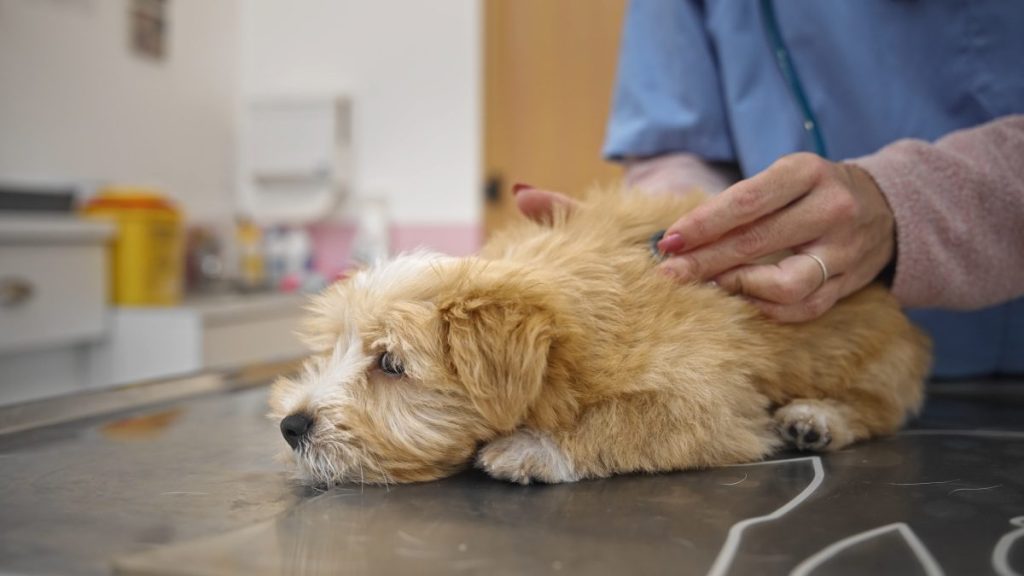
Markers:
{"x": 22, "y": 228}
{"x": 195, "y": 485}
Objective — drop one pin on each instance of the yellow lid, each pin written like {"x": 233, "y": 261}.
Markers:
{"x": 129, "y": 198}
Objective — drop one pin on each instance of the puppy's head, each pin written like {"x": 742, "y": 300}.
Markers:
{"x": 419, "y": 361}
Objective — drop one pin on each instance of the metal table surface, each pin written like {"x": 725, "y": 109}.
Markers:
{"x": 194, "y": 485}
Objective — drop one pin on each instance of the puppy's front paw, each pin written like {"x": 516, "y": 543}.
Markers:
{"x": 812, "y": 425}
{"x": 526, "y": 456}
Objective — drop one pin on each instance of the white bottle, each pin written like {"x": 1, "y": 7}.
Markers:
{"x": 276, "y": 251}
{"x": 372, "y": 243}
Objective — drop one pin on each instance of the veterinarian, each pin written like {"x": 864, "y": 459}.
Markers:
{"x": 878, "y": 141}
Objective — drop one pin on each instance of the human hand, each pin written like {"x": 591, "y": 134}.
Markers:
{"x": 801, "y": 203}
{"x": 537, "y": 204}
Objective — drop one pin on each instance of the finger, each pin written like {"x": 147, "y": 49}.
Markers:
{"x": 538, "y": 205}
{"x": 787, "y": 282}
{"x": 812, "y": 307}
{"x": 794, "y": 226}
{"x": 746, "y": 201}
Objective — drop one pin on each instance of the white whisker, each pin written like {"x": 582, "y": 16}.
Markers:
{"x": 383, "y": 474}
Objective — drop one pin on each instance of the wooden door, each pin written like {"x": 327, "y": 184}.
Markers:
{"x": 549, "y": 69}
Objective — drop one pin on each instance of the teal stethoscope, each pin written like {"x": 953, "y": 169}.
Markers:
{"x": 785, "y": 64}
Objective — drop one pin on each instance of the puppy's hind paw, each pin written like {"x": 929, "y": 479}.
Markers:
{"x": 812, "y": 425}
{"x": 524, "y": 457}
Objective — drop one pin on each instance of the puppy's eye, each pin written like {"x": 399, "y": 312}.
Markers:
{"x": 390, "y": 365}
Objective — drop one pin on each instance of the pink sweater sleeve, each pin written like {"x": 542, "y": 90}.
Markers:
{"x": 959, "y": 209}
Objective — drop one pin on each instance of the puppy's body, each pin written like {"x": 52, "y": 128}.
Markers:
{"x": 566, "y": 355}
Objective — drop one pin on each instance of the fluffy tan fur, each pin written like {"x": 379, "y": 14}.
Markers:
{"x": 561, "y": 353}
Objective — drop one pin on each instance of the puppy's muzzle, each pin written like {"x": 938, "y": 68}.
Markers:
{"x": 295, "y": 428}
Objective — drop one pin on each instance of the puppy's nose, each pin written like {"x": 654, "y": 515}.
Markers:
{"x": 294, "y": 428}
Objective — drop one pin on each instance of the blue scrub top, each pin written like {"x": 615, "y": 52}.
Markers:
{"x": 703, "y": 78}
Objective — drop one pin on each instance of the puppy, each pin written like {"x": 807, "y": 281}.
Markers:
{"x": 560, "y": 353}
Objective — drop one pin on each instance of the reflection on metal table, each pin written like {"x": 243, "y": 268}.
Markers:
{"x": 192, "y": 485}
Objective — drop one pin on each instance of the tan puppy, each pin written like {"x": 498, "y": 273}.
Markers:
{"x": 561, "y": 353}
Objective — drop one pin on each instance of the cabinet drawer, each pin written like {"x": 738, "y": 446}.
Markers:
{"x": 252, "y": 341}
{"x": 50, "y": 294}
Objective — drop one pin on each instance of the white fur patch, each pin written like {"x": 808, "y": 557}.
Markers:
{"x": 326, "y": 378}
{"x": 526, "y": 456}
{"x": 399, "y": 271}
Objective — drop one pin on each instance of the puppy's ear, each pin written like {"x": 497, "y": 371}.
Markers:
{"x": 498, "y": 331}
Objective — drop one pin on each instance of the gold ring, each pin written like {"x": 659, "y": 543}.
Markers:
{"x": 821, "y": 264}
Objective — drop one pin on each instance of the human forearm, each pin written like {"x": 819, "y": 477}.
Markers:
{"x": 678, "y": 173}
{"x": 959, "y": 210}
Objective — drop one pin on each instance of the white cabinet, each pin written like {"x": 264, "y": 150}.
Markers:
{"x": 207, "y": 333}
{"x": 50, "y": 295}
{"x": 53, "y": 302}
{"x": 53, "y": 282}
{"x": 58, "y": 335}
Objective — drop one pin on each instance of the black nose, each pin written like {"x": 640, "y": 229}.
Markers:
{"x": 294, "y": 428}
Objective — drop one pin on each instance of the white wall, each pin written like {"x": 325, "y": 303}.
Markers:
{"x": 76, "y": 105}
{"x": 413, "y": 69}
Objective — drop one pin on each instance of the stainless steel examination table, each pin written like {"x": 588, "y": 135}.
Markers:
{"x": 183, "y": 478}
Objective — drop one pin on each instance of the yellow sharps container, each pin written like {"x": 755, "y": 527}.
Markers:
{"x": 147, "y": 256}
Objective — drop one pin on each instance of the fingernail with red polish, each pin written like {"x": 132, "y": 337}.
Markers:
{"x": 519, "y": 187}
{"x": 670, "y": 243}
